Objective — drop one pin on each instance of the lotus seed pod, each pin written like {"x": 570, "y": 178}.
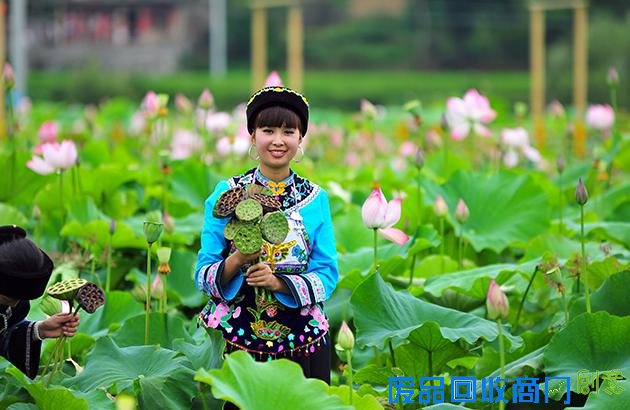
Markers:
{"x": 67, "y": 289}
{"x": 227, "y": 202}
{"x": 231, "y": 228}
{"x": 248, "y": 239}
{"x": 49, "y": 305}
{"x": 253, "y": 189}
{"x": 274, "y": 227}
{"x": 248, "y": 210}
{"x": 90, "y": 297}
{"x": 269, "y": 203}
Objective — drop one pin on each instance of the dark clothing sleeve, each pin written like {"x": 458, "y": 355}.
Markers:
{"x": 16, "y": 339}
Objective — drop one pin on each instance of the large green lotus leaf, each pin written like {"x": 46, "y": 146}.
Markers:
{"x": 591, "y": 342}
{"x": 118, "y": 307}
{"x": 611, "y": 297}
{"x": 160, "y": 378}
{"x": 374, "y": 374}
{"x": 97, "y": 231}
{"x": 205, "y": 350}
{"x": 475, "y": 282}
{"x": 192, "y": 182}
{"x": 276, "y": 385}
{"x": 163, "y": 329}
{"x": 181, "y": 279}
{"x": 83, "y": 210}
{"x": 53, "y": 398}
{"x": 382, "y": 314}
{"x": 618, "y": 231}
{"x": 11, "y": 216}
{"x": 23, "y": 406}
{"x": 27, "y": 183}
{"x": 618, "y": 399}
{"x": 505, "y": 208}
{"x": 350, "y": 233}
{"x": 564, "y": 248}
{"x": 426, "y": 344}
{"x": 366, "y": 402}
{"x": 106, "y": 179}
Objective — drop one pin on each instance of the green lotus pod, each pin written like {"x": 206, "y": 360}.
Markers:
{"x": 152, "y": 231}
{"x": 248, "y": 239}
{"x": 231, "y": 228}
{"x": 274, "y": 227}
{"x": 164, "y": 254}
{"x": 227, "y": 202}
{"x": 66, "y": 289}
{"x": 49, "y": 305}
{"x": 248, "y": 210}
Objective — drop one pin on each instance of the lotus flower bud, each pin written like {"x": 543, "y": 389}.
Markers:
{"x": 414, "y": 107}
{"x": 345, "y": 338}
{"x": 581, "y": 195}
{"x": 169, "y": 222}
{"x": 164, "y": 256}
{"x": 419, "y": 159}
{"x": 139, "y": 293}
{"x": 368, "y": 109}
{"x": 206, "y": 100}
{"x": 496, "y": 302}
{"x": 49, "y": 305}
{"x": 9, "y": 77}
{"x": 560, "y": 163}
{"x": 157, "y": 288}
{"x": 183, "y": 104}
{"x": 461, "y": 211}
{"x": 613, "y": 77}
{"x": 440, "y": 207}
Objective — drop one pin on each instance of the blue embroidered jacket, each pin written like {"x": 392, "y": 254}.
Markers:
{"x": 277, "y": 324}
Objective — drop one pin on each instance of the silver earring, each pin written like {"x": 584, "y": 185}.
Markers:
{"x": 300, "y": 149}
{"x": 249, "y": 153}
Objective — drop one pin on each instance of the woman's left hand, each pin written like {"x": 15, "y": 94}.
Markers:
{"x": 60, "y": 324}
{"x": 260, "y": 275}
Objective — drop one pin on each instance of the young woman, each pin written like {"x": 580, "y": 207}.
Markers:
{"x": 292, "y": 324}
{"x": 24, "y": 273}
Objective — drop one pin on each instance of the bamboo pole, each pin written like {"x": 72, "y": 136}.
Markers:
{"x": 295, "y": 47}
{"x": 580, "y": 76}
{"x": 537, "y": 70}
{"x": 259, "y": 45}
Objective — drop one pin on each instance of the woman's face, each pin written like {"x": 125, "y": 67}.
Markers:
{"x": 276, "y": 146}
{"x": 7, "y": 301}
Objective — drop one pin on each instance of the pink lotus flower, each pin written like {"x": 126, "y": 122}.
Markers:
{"x": 151, "y": 103}
{"x": 472, "y": 112}
{"x": 368, "y": 109}
{"x": 206, "y": 100}
{"x": 517, "y": 141}
{"x": 217, "y": 121}
{"x": 183, "y": 104}
{"x": 223, "y": 146}
{"x": 461, "y": 211}
{"x": 408, "y": 149}
{"x": 185, "y": 144}
{"x": 48, "y": 131}
{"x": 56, "y": 157}
{"x": 440, "y": 207}
{"x": 379, "y": 214}
{"x": 515, "y": 137}
{"x": 600, "y": 117}
{"x": 556, "y": 109}
{"x": 9, "y": 77}
{"x": 496, "y": 302}
{"x": 273, "y": 80}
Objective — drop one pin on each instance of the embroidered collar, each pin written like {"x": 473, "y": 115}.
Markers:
{"x": 278, "y": 188}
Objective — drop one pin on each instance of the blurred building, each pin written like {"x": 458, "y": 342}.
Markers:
{"x": 129, "y": 35}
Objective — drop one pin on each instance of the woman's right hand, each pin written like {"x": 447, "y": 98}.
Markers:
{"x": 234, "y": 263}
{"x": 242, "y": 259}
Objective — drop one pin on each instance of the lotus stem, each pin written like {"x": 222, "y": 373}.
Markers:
{"x": 561, "y": 204}
{"x": 164, "y": 297}
{"x": 501, "y": 358}
{"x": 460, "y": 247}
{"x": 148, "y": 303}
{"x": 108, "y": 276}
{"x": 375, "y": 249}
{"x": 413, "y": 266}
{"x": 349, "y": 361}
{"x": 566, "y": 308}
{"x": 391, "y": 352}
{"x": 442, "y": 245}
{"x": 520, "y": 306}
{"x": 583, "y": 273}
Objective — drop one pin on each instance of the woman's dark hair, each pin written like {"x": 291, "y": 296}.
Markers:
{"x": 20, "y": 255}
{"x": 278, "y": 116}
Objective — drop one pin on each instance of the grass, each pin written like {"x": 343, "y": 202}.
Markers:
{"x": 330, "y": 89}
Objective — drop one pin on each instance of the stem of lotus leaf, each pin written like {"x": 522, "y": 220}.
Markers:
{"x": 501, "y": 358}
{"x": 520, "y": 306}
{"x": 583, "y": 272}
{"x": 566, "y": 308}
{"x": 442, "y": 245}
{"x": 349, "y": 361}
{"x": 430, "y": 362}
{"x": 108, "y": 277}
{"x": 391, "y": 352}
{"x": 460, "y": 247}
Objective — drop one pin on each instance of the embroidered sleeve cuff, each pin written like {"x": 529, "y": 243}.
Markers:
{"x": 210, "y": 281}
{"x": 301, "y": 292}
